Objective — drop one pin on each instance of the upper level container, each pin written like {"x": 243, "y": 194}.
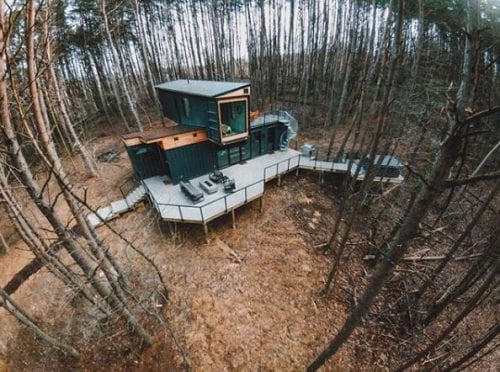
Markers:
{"x": 222, "y": 108}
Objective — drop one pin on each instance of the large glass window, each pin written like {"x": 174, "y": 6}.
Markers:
{"x": 222, "y": 158}
{"x": 233, "y": 120}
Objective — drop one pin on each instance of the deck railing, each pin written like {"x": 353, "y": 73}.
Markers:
{"x": 128, "y": 185}
{"x": 185, "y": 212}
{"x": 230, "y": 201}
{"x": 290, "y": 164}
{"x": 239, "y": 197}
{"x": 270, "y": 116}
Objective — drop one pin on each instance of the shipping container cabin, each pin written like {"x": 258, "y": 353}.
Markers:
{"x": 206, "y": 126}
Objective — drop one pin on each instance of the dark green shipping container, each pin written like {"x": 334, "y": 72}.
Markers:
{"x": 191, "y": 161}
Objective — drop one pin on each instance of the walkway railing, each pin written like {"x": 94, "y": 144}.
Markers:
{"x": 225, "y": 203}
{"x": 128, "y": 185}
{"x": 281, "y": 167}
{"x": 271, "y": 116}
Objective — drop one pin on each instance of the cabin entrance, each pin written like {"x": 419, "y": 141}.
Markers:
{"x": 271, "y": 139}
{"x": 148, "y": 160}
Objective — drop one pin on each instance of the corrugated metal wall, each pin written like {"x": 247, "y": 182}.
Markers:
{"x": 185, "y": 109}
{"x": 191, "y": 161}
{"x": 213, "y": 127}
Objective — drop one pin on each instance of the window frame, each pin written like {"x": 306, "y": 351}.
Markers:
{"x": 239, "y": 136}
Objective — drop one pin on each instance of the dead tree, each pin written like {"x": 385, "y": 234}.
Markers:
{"x": 471, "y": 304}
{"x": 465, "y": 361}
{"x": 96, "y": 259}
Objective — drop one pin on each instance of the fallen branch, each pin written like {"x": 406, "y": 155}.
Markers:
{"x": 232, "y": 254}
{"x": 371, "y": 257}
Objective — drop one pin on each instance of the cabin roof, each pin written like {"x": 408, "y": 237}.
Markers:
{"x": 204, "y": 88}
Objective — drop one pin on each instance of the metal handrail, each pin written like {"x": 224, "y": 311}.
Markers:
{"x": 280, "y": 162}
{"x": 200, "y": 207}
{"x": 135, "y": 180}
{"x": 180, "y": 207}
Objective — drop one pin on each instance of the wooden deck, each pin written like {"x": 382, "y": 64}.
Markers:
{"x": 173, "y": 205}
{"x": 250, "y": 178}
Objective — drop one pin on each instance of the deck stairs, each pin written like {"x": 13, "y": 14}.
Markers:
{"x": 116, "y": 208}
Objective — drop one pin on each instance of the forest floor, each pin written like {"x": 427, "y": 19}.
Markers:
{"x": 258, "y": 309}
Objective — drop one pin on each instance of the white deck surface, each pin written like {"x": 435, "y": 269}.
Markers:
{"x": 326, "y": 166}
{"x": 174, "y": 205}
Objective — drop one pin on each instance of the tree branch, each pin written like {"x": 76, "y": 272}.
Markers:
{"x": 482, "y": 114}
{"x": 474, "y": 179}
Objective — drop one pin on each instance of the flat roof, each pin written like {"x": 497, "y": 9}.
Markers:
{"x": 157, "y": 133}
{"x": 204, "y": 88}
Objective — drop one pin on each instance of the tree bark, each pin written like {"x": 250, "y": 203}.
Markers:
{"x": 119, "y": 77}
{"x": 4, "y": 247}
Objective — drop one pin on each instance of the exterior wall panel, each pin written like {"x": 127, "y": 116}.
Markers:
{"x": 191, "y": 161}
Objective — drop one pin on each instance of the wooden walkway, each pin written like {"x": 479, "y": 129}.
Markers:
{"x": 250, "y": 177}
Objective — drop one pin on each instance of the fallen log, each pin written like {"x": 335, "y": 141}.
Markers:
{"x": 28, "y": 270}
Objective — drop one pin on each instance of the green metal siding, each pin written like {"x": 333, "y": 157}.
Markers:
{"x": 168, "y": 105}
{"x": 222, "y": 158}
{"x": 213, "y": 128}
{"x": 197, "y": 115}
{"x": 191, "y": 161}
{"x": 233, "y": 154}
{"x": 266, "y": 138}
{"x": 146, "y": 160}
{"x": 259, "y": 142}
{"x": 174, "y": 107}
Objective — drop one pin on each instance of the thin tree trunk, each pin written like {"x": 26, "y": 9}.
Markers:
{"x": 471, "y": 304}
{"x": 120, "y": 77}
{"x": 490, "y": 335}
{"x": 4, "y": 247}
{"x": 66, "y": 121}
{"x": 431, "y": 279}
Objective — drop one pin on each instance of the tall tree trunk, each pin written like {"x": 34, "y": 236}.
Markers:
{"x": 4, "y": 247}
{"x": 408, "y": 229}
{"x": 120, "y": 76}
{"x": 111, "y": 289}
{"x": 66, "y": 121}
{"x": 471, "y": 304}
